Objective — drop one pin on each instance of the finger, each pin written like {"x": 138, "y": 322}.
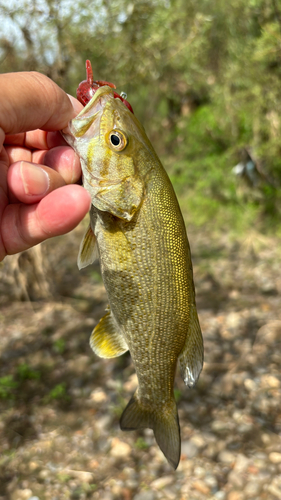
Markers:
{"x": 3, "y": 191}
{"x": 16, "y": 139}
{"x": 77, "y": 106}
{"x": 2, "y": 137}
{"x": 4, "y": 165}
{"x": 30, "y": 100}
{"x": 35, "y": 139}
{"x": 40, "y": 139}
{"x": 29, "y": 183}
{"x": 58, "y": 213}
{"x": 18, "y": 153}
{"x": 63, "y": 159}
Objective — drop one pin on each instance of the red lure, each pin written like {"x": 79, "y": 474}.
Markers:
{"x": 87, "y": 88}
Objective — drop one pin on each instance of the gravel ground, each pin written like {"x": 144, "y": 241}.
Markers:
{"x": 60, "y": 405}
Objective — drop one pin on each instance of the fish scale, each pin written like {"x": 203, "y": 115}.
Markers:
{"x": 138, "y": 232}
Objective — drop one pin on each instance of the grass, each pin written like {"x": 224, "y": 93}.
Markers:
{"x": 59, "y": 346}
{"x": 7, "y": 387}
{"x": 25, "y": 372}
{"x": 141, "y": 444}
{"x": 59, "y": 392}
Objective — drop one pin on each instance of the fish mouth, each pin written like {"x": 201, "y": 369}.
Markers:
{"x": 103, "y": 94}
{"x": 86, "y": 124}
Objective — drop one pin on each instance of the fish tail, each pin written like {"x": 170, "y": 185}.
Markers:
{"x": 164, "y": 422}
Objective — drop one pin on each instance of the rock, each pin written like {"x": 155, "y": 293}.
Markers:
{"x": 211, "y": 481}
{"x": 245, "y": 428}
{"x": 274, "y": 489}
{"x": 250, "y": 384}
{"x": 131, "y": 384}
{"x": 170, "y": 494}
{"x": 270, "y": 381}
{"x": 226, "y": 457}
{"x": 82, "y": 475}
{"x": 98, "y": 396}
{"x": 145, "y": 495}
{"x": 44, "y": 474}
{"x": 199, "y": 471}
{"x": 132, "y": 484}
{"x": 117, "y": 488}
{"x": 275, "y": 457}
{"x": 103, "y": 423}
{"x": 235, "y": 495}
{"x": 119, "y": 449}
{"x": 219, "y": 495}
{"x": 201, "y": 487}
{"x": 24, "y": 494}
{"x": 126, "y": 494}
{"x": 161, "y": 482}
{"x": 233, "y": 320}
{"x": 106, "y": 495}
{"x": 93, "y": 464}
{"x": 130, "y": 473}
{"x": 33, "y": 466}
{"x": 266, "y": 438}
{"x": 189, "y": 449}
{"x": 103, "y": 444}
{"x": 220, "y": 426}
{"x": 241, "y": 463}
{"x": 210, "y": 451}
{"x": 79, "y": 364}
{"x": 252, "y": 489}
{"x": 198, "y": 440}
{"x": 236, "y": 479}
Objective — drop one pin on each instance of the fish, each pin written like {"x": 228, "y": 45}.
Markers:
{"x": 138, "y": 233}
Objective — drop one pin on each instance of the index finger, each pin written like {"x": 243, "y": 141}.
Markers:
{"x": 30, "y": 100}
{"x": 36, "y": 139}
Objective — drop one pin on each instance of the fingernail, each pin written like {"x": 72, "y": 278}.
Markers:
{"x": 35, "y": 180}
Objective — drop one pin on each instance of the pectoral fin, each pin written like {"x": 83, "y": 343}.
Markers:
{"x": 106, "y": 341}
{"x": 191, "y": 357}
{"x": 88, "y": 251}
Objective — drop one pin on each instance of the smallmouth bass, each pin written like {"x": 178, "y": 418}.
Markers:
{"x": 137, "y": 231}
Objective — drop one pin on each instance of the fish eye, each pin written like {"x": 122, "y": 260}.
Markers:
{"x": 117, "y": 140}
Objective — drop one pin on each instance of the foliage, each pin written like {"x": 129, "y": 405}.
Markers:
{"x": 7, "y": 387}
{"x": 141, "y": 444}
{"x": 177, "y": 394}
{"x": 204, "y": 79}
{"x": 25, "y": 372}
{"x": 59, "y": 346}
{"x": 58, "y": 392}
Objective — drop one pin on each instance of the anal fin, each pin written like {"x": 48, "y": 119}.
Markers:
{"x": 105, "y": 339}
{"x": 88, "y": 251}
{"x": 191, "y": 357}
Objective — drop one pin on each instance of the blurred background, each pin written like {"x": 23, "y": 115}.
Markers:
{"x": 204, "y": 80}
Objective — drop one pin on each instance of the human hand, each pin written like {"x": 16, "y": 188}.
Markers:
{"x": 37, "y": 168}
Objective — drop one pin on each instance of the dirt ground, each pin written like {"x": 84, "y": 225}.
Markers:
{"x": 60, "y": 405}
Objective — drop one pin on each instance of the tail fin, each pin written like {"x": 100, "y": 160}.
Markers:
{"x": 164, "y": 422}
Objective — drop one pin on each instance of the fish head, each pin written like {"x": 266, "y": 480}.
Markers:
{"x": 114, "y": 150}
